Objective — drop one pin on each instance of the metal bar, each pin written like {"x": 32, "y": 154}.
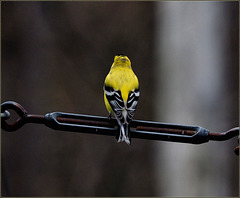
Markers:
{"x": 138, "y": 129}
{"x": 105, "y": 126}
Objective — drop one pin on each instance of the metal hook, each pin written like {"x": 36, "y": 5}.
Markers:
{"x": 19, "y": 110}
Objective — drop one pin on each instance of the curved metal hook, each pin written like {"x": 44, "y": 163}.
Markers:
{"x": 19, "y": 110}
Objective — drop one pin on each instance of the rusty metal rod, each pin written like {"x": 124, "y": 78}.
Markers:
{"x": 224, "y": 135}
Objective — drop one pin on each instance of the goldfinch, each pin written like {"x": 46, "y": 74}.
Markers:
{"x": 121, "y": 93}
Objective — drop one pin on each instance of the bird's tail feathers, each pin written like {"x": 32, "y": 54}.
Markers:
{"x": 123, "y": 134}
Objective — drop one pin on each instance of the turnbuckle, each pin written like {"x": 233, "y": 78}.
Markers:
{"x": 104, "y": 126}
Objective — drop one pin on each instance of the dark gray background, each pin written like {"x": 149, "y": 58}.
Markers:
{"x": 55, "y": 56}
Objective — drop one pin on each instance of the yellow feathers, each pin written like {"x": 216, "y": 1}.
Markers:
{"x": 121, "y": 93}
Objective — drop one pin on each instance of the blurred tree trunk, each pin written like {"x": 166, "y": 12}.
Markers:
{"x": 197, "y": 76}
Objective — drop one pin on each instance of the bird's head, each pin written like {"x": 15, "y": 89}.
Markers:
{"x": 121, "y": 60}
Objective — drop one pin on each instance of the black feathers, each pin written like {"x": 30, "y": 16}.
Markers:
{"x": 117, "y": 104}
{"x": 132, "y": 104}
{"x": 123, "y": 111}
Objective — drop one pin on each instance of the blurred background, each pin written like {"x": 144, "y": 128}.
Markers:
{"x": 55, "y": 56}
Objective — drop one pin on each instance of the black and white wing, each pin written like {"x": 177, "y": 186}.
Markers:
{"x": 116, "y": 101}
{"x": 123, "y": 111}
{"x": 132, "y": 104}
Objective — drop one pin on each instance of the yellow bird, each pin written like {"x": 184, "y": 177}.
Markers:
{"x": 121, "y": 93}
